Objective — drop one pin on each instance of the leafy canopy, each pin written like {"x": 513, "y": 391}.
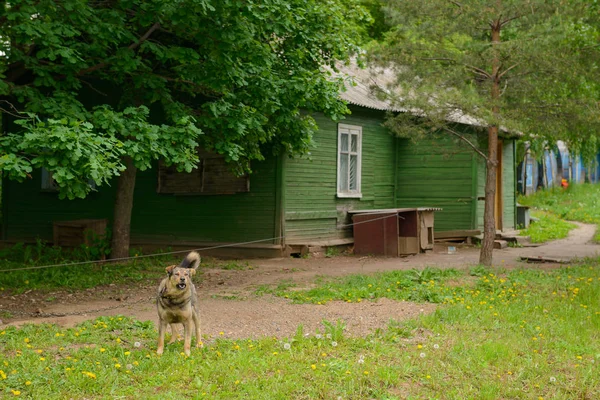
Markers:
{"x": 92, "y": 81}
{"x": 446, "y": 60}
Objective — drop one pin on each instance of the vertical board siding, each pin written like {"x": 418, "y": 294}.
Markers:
{"x": 437, "y": 173}
{"x": 156, "y": 218}
{"x": 313, "y": 213}
{"x": 508, "y": 185}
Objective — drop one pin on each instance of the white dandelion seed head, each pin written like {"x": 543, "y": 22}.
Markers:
{"x": 422, "y": 355}
{"x": 287, "y": 346}
{"x": 318, "y": 336}
{"x": 436, "y": 346}
{"x": 137, "y": 344}
{"x": 361, "y": 360}
{"x": 329, "y": 336}
{"x": 552, "y": 379}
{"x": 129, "y": 366}
{"x": 334, "y": 344}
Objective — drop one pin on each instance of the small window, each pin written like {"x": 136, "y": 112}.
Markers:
{"x": 212, "y": 176}
{"x": 48, "y": 182}
{"x": 50, "y": 185}
{"x": 349, "y": 161}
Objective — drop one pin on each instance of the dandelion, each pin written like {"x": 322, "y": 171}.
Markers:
{"x": 127, "y": 353}
{"x": 366, "y": 372}
{"x": 26, "y": 340}
{"x": 129, "y": 366}
{"x": 361, "y": 360}
{"x": 552, "y": 379}
{"x": 137, "y": 344}
{"x": 419, "y": 346}
{"x": 334, "y": 344}
{"x": 275, "y": 353}
{"x": 436, "y": 346}
{"x": 313, "y": 366}
{"x": 27, "y": 383}
{"x": 323, "y": 354}
{"x": 329, "y": 336}
{"x": 102, "y": 350}
{"x": 117, "y": 366}
{"x": 287, "y": 346}
{"x": 318, "y": 336}
{"x": 16, "y": 392}
{"x": 422, "y": 355}
{"x": 428, "y": 376}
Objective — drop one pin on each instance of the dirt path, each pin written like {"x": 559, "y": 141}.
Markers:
{"x": 221, "y": 292}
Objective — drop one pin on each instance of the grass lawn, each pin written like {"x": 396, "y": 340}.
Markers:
{"x": 521, "y": 334}
{"x": 525, "y": 334}
{"x": 580, "y": 202}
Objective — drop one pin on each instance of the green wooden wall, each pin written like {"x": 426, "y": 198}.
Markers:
{"x": 312, "y": 211}
{"x": 440, "y": 173}
{"x": 157, "y": 218}
{"x": 508, "y": 188}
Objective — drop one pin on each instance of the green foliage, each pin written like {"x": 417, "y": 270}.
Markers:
{"x": 547, "y": 227}
{"x": 580, "y": 202}
{"x": 144, "y": 78}
{"x": 542, "y": 67}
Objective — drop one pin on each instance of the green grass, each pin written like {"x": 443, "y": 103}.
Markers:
{"x": 20, "y": 268}
{"x": 547, "y": 227}
{"x": 525, "y": 334}
{"x": 580, "y": 202}
{"x": 414, "y": 285}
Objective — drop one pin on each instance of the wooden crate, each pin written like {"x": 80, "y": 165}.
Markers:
{"x": 77, "y": 232}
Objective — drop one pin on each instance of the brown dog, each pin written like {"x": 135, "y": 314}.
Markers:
{"x": 177, "y": 302}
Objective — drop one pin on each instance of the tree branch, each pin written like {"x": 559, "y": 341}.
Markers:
{"x": 506, "y": 70}
{"x": 132, "y": 46}
{"x": 467, "y": 141}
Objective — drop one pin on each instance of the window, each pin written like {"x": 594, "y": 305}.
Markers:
{"x": 50, "y": 185}
{"x": 213, "y": 176}
{"x": 349, "y": 160}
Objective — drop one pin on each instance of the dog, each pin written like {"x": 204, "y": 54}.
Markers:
{"x": 177, "y": 302}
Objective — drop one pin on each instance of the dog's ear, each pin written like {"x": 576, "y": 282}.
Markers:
{"x": 192, "y": 272}
{"x": 169, "y": 269}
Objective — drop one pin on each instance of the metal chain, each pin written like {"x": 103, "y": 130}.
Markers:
{"x": 45, "y": 315}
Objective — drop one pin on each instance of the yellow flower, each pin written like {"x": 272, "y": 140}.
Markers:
{"x": 16, "y": 392}
{"x": 127, "y": 353}
{"x": 313, "y": 366}
{"x": 26, "y": 340}
{"x": 366, "y": 372}
{"x": 102, "y": 350}
{"x": 117, "y": 366}
{"x": 27, "y": 383}
{"x": 419, "y": 346}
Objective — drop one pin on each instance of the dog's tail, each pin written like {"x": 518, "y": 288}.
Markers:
{"x": 192, "y": 260}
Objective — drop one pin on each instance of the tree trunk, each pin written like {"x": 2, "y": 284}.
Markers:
{"x": 122, "y": 211}
{"x": 489, "y": 222}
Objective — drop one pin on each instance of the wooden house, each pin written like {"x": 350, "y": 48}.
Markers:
{"x": 286, "y": 203}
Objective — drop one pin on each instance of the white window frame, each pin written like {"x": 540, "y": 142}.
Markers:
{"x": 344, "y": 129}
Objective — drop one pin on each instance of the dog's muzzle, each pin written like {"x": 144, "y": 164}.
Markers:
{"x": 181, "y": 285}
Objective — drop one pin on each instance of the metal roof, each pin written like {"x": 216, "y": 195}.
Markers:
{"x": 360, "y": 84}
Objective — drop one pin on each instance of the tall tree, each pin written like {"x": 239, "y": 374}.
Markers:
{"x": 101, "y": 88}
{"x": 506, "y": 64}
